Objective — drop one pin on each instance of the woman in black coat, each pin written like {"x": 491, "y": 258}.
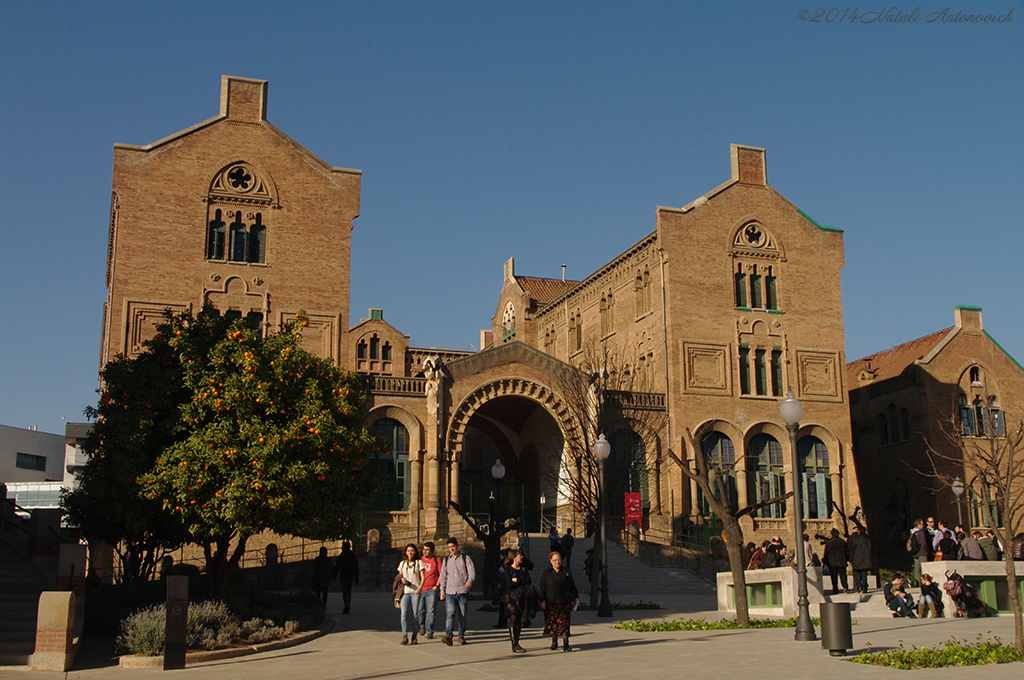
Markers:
{"x": 558, "y": 597}
{"x": 521, "y": 596}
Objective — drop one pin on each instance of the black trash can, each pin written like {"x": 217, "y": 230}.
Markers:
{"x": 836, "y": 628}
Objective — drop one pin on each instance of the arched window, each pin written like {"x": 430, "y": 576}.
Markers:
{"x": 385, "y": 352}
{"x": 508, "y": 322}
{"x": 257, "y": 240}
{"x": 361, "y": 349}
{"x": 815, "y": 480}
{"x": 883, "y": 430}
{"x": 904, "y": 424}
{"x": 374, "y": 347}
{"x": 996, "y": 415}
{"x": 611, "y": 313}
{"x": 966, "y": 416}
{"x": 604, "y": 316}
{"x": 648, "y": 306}
{"x": 237, "y": 249}
{"x": 741, "y": 287}
{"x": 393, "y": 465}
{"x": 755, "y": 291}
{"x": 217, "y": 233}
{"x": 766, "y": 479}
{"x": 981, "y": 428}
{"x": 894, "y": 423}
{"x": 721, "y": 457}
{"x": 771, "y": 298}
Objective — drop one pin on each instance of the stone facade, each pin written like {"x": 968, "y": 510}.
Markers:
{"x": 232, "y": 212}
{"x": 907, "y": 397}
{"x": 707, "y": 321}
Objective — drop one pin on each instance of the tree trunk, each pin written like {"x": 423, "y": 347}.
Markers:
{"x": 735, "y": 549}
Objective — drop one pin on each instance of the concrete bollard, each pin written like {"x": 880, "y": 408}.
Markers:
{"x": 55, "y": 625}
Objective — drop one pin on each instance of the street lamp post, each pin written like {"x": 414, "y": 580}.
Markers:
{"x": 958, "y": 490}
{"x": 492, "y": 546}
{"x": 543, "y": 500}
{"x": 791, "y": 411}
{"x": 602, "y": 449}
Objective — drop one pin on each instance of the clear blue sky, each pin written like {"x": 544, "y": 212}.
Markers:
{"x": 547, "y": 131}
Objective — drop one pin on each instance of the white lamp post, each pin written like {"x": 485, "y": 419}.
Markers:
{"x": 602, "y": 449}
{"x": 791, "y": 411}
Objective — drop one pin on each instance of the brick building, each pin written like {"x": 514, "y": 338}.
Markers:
{"x": 731, "y": 301}
{"x": 902, "y": 399}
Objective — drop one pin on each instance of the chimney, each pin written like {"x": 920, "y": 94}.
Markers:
{"x": 748, "y": 165}
{"x": 563, "y": 272}
{"x": 968, "y": 318}
{"x": 243, "y": 99}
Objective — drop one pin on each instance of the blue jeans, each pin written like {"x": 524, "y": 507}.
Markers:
{"x": 346, "y": 593}
{"x": 410, "y": 605}
{"x": 450, "y": 603}
{"x": 427, "y": 610}
{"x": 898, "y": 604}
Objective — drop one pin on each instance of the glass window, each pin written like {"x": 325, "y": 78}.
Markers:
{"x": 760, "y": 377}
{"x": 777, "y": 372}
{"x": 767, "y": 480}
{"x": 721, "y": 457}
{"x": 771, "y": 297}
{"x": 755, "y": 291}
{"x": 744, "y": 370}
{"x": 815, "y": 480}
{"x": 27, "y": 461}
{"x": 257, "y": 240}
{"x": 238, "y": 239}
{"x": 393, "y": 465}
{"x": 215, "y": 245}
{"x": 741, "y": 289}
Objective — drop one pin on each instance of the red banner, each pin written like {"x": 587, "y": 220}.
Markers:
{"x": 634, "y": 508}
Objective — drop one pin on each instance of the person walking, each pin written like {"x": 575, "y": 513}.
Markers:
{"x": 522, "y": 597}
{"x": 567, "y": 543}
{"x": 323, "y": 574}
{"x": 428, "y": 598}
{"x": 859, "y": 547}
{"x": 347, "y": 571}
{"x": 558, "y": 598}
{"x": 835, "y": 555}
{"x": 411, "y": 570}
{"x": 457, "y": 577}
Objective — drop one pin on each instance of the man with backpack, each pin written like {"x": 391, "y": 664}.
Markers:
{"x": 457, "y": 576}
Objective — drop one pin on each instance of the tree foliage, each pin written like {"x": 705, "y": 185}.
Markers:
{"x": 992, "y": 462}
{"x": 257, "y": 434}
{"x": 136, "y": 418}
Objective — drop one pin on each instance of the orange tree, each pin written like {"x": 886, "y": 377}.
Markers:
{"x": 136, "y": 419}
{"x": 267, "y": 436}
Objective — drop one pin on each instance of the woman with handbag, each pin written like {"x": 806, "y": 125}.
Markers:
{"x": 410, "y": 569}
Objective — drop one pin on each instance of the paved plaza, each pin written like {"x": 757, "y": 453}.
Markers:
{"x": 365, "y": 644}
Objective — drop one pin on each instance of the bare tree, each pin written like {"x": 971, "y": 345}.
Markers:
{"x": 716, "y": 495}
{"x": 606, "y": 393}
{"x": 992, "y": 461}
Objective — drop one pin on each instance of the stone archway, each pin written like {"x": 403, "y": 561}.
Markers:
{"x": 524, "y": 423}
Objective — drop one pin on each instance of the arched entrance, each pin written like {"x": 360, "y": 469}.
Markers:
{"x": 523, "y": 424}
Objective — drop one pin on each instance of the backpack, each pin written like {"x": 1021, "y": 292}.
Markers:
{"x": 911, "y": 543}
{"x": 770, "y": 560}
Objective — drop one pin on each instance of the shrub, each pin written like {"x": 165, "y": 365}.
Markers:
{"x": 953, "y": 652}
{"x": 143, "y": 632}
{"x": 703, "y": 624}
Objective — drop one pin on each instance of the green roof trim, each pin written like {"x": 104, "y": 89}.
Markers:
{"x": 967, "y": 308}
{"x": 1009, "y": 356}
{"x": 819, "y": 226}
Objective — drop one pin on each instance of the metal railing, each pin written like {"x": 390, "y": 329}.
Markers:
{"x": 658, "y": 555}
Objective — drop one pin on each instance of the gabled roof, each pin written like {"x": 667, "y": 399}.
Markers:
{"x": 543, "y": 290}
{"x": 893, "y": 361}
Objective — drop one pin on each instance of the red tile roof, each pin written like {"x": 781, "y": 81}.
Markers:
{"x": 893, "y": 361}
{"x": 544, "y": 290}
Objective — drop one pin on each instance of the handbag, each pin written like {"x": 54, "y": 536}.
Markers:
{"x": 938, "y": 556}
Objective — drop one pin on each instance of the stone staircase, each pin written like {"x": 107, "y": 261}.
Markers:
{"x": 20, "y": 586}
{"x": 629, "y": 579}
{"x": 870, "y": 604}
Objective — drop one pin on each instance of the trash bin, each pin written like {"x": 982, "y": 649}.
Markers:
{"x": 836, "y": 628}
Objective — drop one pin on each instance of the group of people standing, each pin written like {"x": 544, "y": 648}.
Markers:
{"x": 931, "y": 541}
{"x": 423, "y": 579}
